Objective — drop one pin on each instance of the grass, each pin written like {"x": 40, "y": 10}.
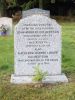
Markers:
{"x": 68, "y": 41}
{"x": 6, "y": 54}
{"x": 65, "y": 91}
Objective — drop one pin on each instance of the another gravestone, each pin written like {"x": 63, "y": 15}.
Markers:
{"x": 5, "y": 26}
{"x": 35, "y": 11}
{"x": 37, "y": 41}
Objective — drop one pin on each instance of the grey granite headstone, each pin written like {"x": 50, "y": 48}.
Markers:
{"x": 35, "y": 11}
{"x": 37, "y": 41}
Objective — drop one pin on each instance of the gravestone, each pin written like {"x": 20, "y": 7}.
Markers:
{"x": 37, "y": 41}
{"x": 35, "y": 11}
{"x": 5, "y": 26}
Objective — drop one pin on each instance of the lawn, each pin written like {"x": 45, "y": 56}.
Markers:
{"x": 65, "y": 91}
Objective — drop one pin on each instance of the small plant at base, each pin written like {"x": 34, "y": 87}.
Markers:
{"x": 39, "y": 74}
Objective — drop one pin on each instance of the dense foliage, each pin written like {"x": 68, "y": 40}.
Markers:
{"x": 56, "y": 7}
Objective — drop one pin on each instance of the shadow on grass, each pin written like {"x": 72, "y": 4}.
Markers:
{"x": 4, "y": 67}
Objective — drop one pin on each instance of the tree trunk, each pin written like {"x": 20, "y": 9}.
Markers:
{"x": 41, "y": 4}
{"x": 3, "y": 7}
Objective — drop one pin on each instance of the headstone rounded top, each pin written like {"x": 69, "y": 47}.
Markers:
{"x": 37, "y": 18}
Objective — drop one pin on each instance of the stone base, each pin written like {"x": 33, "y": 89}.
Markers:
{"x": 28, "y": 79}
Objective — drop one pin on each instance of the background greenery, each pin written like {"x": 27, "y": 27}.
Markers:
{"x": 56, "y": 7}
{"x": 65, "y": 91}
